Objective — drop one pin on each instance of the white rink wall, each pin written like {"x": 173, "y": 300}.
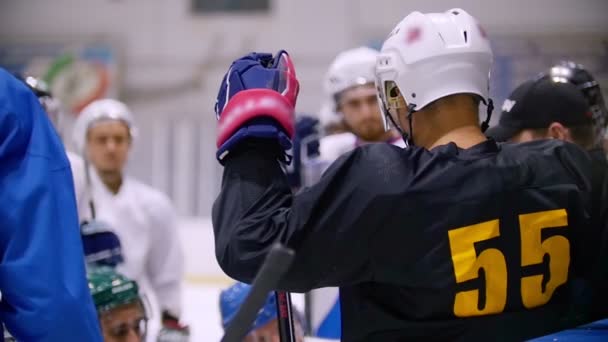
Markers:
{"x": 197, "y": 240}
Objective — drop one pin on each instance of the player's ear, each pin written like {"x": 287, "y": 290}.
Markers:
{"x": 558, "y": 131}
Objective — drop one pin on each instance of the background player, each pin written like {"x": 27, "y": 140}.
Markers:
{"x": 142, "y": 217}
{"x": 265, "y": 328}
{"x": 351, "y": 95}
{"x": 471, "y": 213}
{"x": 549, "y": 108}
{"x": 121, "y": 310}
{"x": 42, "y": 277}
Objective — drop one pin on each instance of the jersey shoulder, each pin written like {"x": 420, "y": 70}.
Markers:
{"x": 541, "y": 154}
{"x": 379, "y": 161}
{"x": 546, "y": 147}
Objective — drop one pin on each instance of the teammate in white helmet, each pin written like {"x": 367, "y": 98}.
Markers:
{"x": 143, "y": 217}
{"x": 453, "y": 238}
{"x": 351, "y": 96}
{"x": 352, "y": 103}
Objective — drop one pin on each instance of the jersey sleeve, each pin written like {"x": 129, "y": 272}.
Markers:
{"x": 45, "y": 296}
{"x": 327, "y": 224}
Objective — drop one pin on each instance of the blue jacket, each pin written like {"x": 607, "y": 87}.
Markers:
{"x": 45, "y": 296}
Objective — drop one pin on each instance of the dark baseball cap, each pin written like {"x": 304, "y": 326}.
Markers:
{"x": 538, "y": 103}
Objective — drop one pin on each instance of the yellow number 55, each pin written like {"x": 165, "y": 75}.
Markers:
{"x": 535, "y": 289}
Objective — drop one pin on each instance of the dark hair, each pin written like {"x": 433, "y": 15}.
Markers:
{"x": 583, "y": 135}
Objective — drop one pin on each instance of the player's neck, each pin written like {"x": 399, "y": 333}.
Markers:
{"x": 452, "y": 119}
{"x": 464, "y": 137}
{"x": 112, "y": 180}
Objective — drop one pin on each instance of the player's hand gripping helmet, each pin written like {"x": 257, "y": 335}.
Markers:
{"x": 256, "y": 99}
{"x": 568, "y": 71}
{"x": 430, "y": 56}
{"x": 97, "y": 111}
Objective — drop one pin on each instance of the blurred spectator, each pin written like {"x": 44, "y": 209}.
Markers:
{"x": 122, "y": 315}
{"x": 265, "y": 327}
{"x": 143, "y": 217}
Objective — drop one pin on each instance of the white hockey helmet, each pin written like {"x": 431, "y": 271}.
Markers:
{"x": 349, "y": 69}
{"x": 430, "y": 56}
{"x": 97, "y": 111}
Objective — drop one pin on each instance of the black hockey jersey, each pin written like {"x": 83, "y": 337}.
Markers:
{"x": 485, "y": 243}
{"x": 599, "y": 210}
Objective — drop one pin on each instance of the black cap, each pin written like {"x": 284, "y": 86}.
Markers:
{"x": 538, "y": 103}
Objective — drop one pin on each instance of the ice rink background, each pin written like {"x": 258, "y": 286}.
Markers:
{"x": 166, "y": 62}
{"x": 204, "y": 281}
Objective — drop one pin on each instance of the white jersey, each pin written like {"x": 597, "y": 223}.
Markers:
{"x": 145, "y": 222}
{"x": 333, "y": 146}
{"x": 80, "y": 188}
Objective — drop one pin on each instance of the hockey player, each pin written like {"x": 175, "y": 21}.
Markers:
{"x": 121, "y": 310}
{"x": 568, "y": 71}
{"x": 143, "y": 217}
{"x": 349, "y": 85}
{"x": 265, "y": 327}
{"x": 452, "y": 238}
{"x": 552, "y": 108}
{"x": 43, "y": 289}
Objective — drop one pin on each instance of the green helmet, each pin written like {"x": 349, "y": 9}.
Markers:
{"x": 111, "y": 289}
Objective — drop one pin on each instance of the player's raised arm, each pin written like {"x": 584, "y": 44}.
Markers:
{"x": 256, "y": 206}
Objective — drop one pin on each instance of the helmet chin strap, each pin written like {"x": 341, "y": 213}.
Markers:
{"x": 408, "y": 139}
{"x": 490, "y": 109}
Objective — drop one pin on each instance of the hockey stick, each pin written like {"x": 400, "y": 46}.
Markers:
{"x": 308, "y": 313}
{"x": 285, "y": 316}
{"x": 89, "y": 187}
{"x": 276, "y": 264}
